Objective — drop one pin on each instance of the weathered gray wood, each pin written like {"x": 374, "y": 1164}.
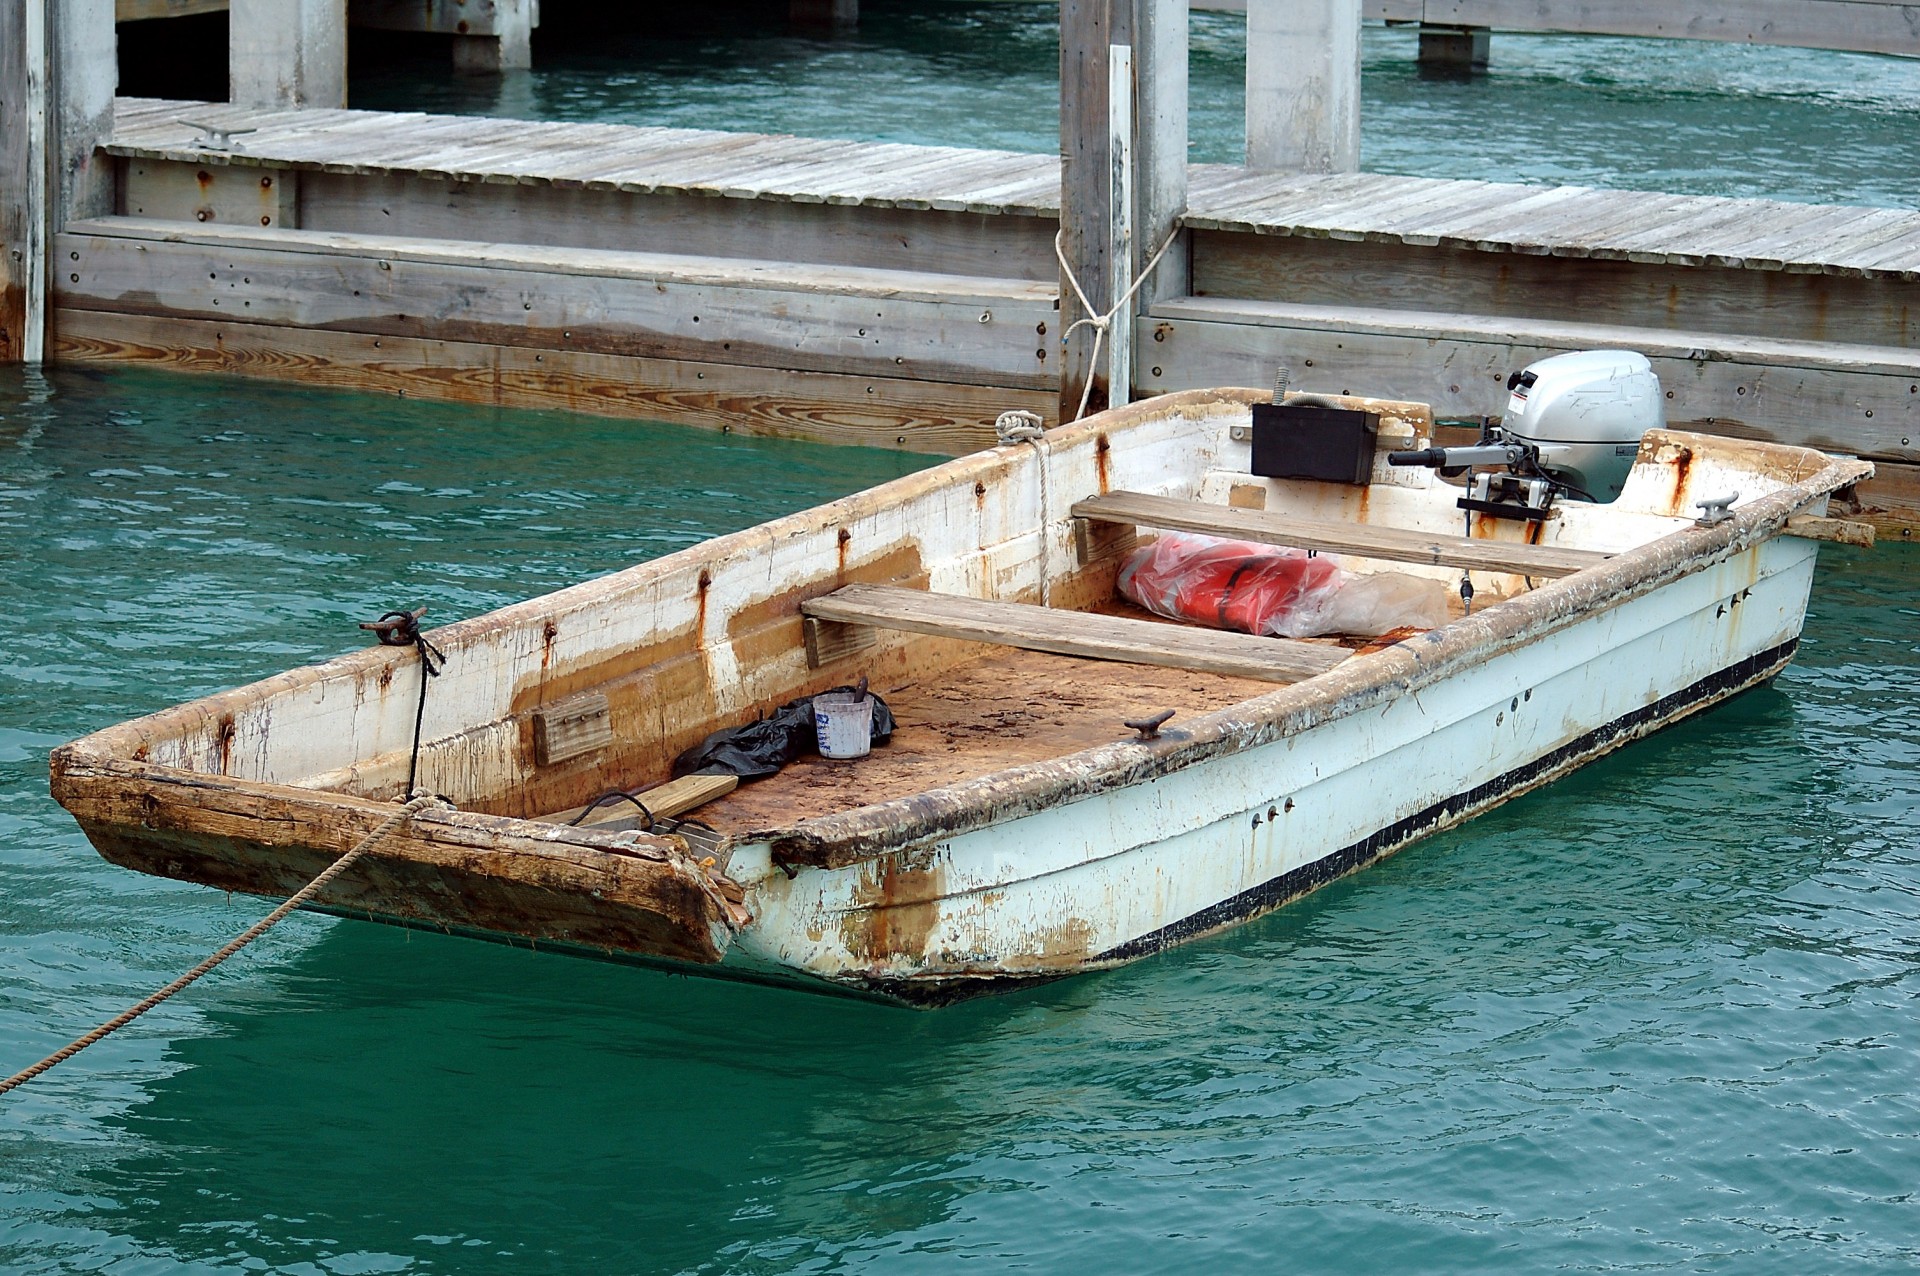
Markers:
{"x": 1087, "y": 29}
{"x": 1303, "y": 85}
{"x": 1760, "y": 303}
{"x": 216, "y": 194}
{"x": 858, "y": 322}
{"x": 889, "y": 412}
{"x": 1121, "y": 262}
{"x": 287, "y": 52}
{"x": 571, "y": 728}
{"x": 83, "y": 69}
{"x": 23, "y": 190}
{"x": 1074, "y": 633}
{"x": 663, "y": 802}
{"x": 1865, "y": 26}
{"x": 1390, "y": 544}
{"x": 1160, "y": 149}
{"x": 1838, "y": 530}
{"x": 827, "y": 641}
{"x": 1834, "y": 396}
{"x": 884, "y": 237}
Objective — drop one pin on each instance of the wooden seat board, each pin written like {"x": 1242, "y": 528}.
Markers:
{"x": 1391, "y": 544}
{"x": 1075, "y": 633}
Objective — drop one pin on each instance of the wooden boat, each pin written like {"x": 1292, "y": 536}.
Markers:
{"x": 1014, "y": 830}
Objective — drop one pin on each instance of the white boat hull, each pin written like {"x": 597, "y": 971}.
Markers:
{"x": 1131, "y": 871}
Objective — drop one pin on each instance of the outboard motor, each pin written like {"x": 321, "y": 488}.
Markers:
{"x": 1573, "y": 426}
{"x": 1585, "y": 413}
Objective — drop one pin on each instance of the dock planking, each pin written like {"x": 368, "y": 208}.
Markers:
{"x": 1767, "y": 318}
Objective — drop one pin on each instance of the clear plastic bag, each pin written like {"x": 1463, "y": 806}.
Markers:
{"x": 1274, "y": 590}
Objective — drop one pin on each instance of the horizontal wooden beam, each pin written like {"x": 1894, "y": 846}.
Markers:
{"x": 1862, "y": 26}
{"x": 1075, "y": 633}
{"x": 940, "y": 328}
{"x": 146, "y": 10}
{"x": 439, "y": 17}
{"x": 1391, "y": 544}
{"x": 1833, "y": 396}
{"x": 919, "y": 416}
{"x": 1838, "y": 530}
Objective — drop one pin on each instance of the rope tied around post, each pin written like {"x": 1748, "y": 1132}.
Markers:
{"x": 402, "y": 629}
{"x": 1100, "y": 323}
{"x": 413, "y": 807}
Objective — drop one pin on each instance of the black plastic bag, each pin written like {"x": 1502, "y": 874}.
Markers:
{"x": 761, "y": 747}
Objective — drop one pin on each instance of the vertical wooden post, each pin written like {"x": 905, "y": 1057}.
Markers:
{"x": 1087, "y": 29}
{"x": 1303, "y": 85}
{"x": 23, "y": 180}
{"x": 508, "y": 48}
{"x": 1120, "y": 263}
{"x": 287, "y": 52}
{"x": 58, "y": 68}
{"x": 1160, "y": 143}
{"x": 83, "y": 69}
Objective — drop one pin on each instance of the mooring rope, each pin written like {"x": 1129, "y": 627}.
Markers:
{"x": 418, "y": 803}
{"x": 1020, "y": 426}
{"x": 1099, "y": 322}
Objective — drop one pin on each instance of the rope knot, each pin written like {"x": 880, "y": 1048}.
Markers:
{"x": 1018, "y": 426}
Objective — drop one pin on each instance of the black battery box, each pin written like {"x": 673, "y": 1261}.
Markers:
{"x": 1300, "y": 441}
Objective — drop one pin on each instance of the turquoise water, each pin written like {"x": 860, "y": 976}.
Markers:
{"x": 1695, "y": 118}
{"x": 1659, "y": 1016}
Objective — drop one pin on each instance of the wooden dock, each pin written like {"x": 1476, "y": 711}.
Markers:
{"x": 904, "y": 295}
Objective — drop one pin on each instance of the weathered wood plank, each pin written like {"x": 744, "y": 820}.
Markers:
{"x": 1074, "y": 633}
{"x": 443, "y": 868}
{"x": 1837, "y": 397}
{"x": 147, "y": 10}
{"x": 1391, "y": 544}
{"x": 939, "y": 328}
{"x": 1772, "y": 304}
{"x": 570, "y": 728}
{"x": 663, "y": 802}
{"x": 583, "y": 217}
{"x": 1838, "y": 530}
{"x": 23, "y": 210}
{"x": 1890, "y": 501}
{"x": 1863, "y": 26}
{"x": 918, "y": 416}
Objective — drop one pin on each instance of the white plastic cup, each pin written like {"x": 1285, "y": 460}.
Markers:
{"x": 843, "y": 721}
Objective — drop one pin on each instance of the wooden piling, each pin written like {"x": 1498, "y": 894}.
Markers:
{"x": 23, "y": 191}
{"x": 1160, "y": 145}
{"x": 1120, "y": 259}
{"x": 286, "y": 52}
{"x": 1303, "y": 85}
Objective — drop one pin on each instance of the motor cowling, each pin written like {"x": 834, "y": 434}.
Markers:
{"x": 1586, "y": 412}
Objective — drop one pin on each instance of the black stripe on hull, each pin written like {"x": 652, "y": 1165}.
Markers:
{"x": 1269, "y": 895}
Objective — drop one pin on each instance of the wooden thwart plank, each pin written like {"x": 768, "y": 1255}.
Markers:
{"x": 675, "y": 797}
{"x": 1389, "y": 543}
{"x": 1075, "y": 633}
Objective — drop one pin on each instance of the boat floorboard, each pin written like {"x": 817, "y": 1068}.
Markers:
{"x": 1003, "y": 709}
